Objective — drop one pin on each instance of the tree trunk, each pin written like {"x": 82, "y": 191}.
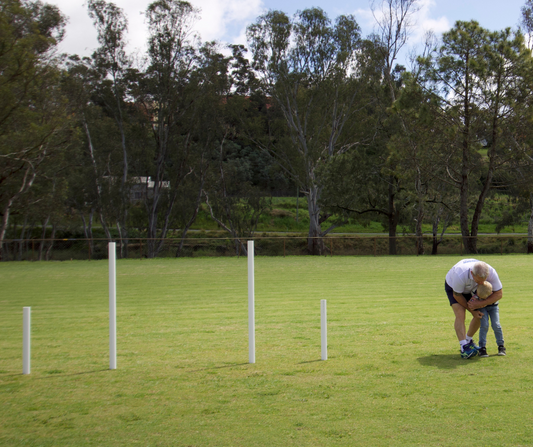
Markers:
{"x": 239, "y": 245}
{"x": 468, "y": 242}
{"x": 29, "y": 177}
{"x": 530, "y": 226}
{"x": 124, "y": 191}
{"x": 392, "y": 235}
{"x": 22, "y": 235}
{"x": 488, "y": 179}
{"x": 477, "y": 212}
{"x": 166, "y": 222}
{"x": 43, "y": 237}
{"x": 435, "y": 231}
{"x": 393, "y": 217}
{"x": 3, "y": 229}
{"x": 105, "y": 227}
{"x": 191, "y": 220}
{"x": 315, "y": 243}
{"x": 48, "y": 254}
{"x": 123, "y": 238}
{"x": 153, "y": 204}
{"x": 122, "y": 234}
{"x": 96, "y": 180}
{"x": 445, "y": 223}
{"x": 88, "y": 229}
{"x": 418, "y": 230}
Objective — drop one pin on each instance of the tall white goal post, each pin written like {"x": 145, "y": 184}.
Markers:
{"x": 112, "y": 306}
{"x": 26, "y": 340}
{"x": 324, "y": 328}
{"x": 251, "y": 303}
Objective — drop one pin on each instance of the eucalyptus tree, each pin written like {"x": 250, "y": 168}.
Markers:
{"x": 480, "y": 82}
{"x": 168, "y": 100}
{"x": 394, "y": 20}
{"x": 181, "y": 89}
{"x": 33, "y": 120}
{"x": 233, "y": 201}
{"x": 527, "y": 26}
{"x": 112, "y": 65}
{"x": 208, "y": 127}
{"x": 88, "y": 192}
{"x": 526, "y": 21}
{"x": 432, "y": 200}
{"x": 309, "y": 68}
{"x": 373, "y": 180}
{"x": 530, "y": 225}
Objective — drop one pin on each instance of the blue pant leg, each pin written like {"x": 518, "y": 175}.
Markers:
{"x": 494, "y": 313}
{"x": 484, "y": 328}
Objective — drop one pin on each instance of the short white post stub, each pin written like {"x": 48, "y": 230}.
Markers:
{"x": 324, "y": 329}
{"x": 251, "y": 303}
{"x": 112, "y": 306}
{"x": 26, "y": 339}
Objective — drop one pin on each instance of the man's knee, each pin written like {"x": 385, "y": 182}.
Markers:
{"x": 459, "y": 311}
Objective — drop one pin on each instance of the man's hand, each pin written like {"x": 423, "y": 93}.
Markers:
{"x": 476, "y": 313}
{"x": 475, "y": 303}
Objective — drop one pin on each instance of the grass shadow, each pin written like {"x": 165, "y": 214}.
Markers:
{"x": 219, "y": 367}
{"x": 11, "y": 375}
{"x": 49, "y": 375}
{"x": 447, "y": 361}
{"x": 52, "y": 375}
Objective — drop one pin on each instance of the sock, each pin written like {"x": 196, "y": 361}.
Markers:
{"x": 462, "y": 343}
{"x": 468, "y": 339}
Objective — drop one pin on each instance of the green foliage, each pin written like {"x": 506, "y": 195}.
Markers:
{"x": 313, "y": 71}
{"x": 480, "y": 82}
{"x": 34, "y": 124}
{"x": 317, "y": 110}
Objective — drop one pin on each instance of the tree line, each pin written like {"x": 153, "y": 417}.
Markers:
{"x": 139, "y": 145}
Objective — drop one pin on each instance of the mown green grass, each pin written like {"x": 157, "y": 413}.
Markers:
{"x": 393, "y": 378}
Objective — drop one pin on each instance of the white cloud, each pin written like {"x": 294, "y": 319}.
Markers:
{"x": 80, "y": 34}
{"x": 365, "y": 19}
{"x": 239, "y": 38}
{"x": 423, "y": 22}
{"x": 222, "y": 20}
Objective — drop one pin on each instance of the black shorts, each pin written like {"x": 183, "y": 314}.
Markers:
{"x": 449, "y": 292}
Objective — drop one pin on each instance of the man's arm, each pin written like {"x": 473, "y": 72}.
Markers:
{"x": 462, "y": 301}
{"x": 496, "y": 296}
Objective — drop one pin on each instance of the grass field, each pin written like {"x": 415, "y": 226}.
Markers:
{"x": 394, "y": 376}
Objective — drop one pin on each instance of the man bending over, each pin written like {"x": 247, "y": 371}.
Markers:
{"x": 461, "y": 282}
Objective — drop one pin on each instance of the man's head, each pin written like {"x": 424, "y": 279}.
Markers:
{"x": 480, "y": 271}
{"x": 484, "y": 290}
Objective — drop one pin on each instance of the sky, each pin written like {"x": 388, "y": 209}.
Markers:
{"x": 226, "y": 20}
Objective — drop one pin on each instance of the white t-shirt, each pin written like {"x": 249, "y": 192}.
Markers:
{"x": 460, "y": 279}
